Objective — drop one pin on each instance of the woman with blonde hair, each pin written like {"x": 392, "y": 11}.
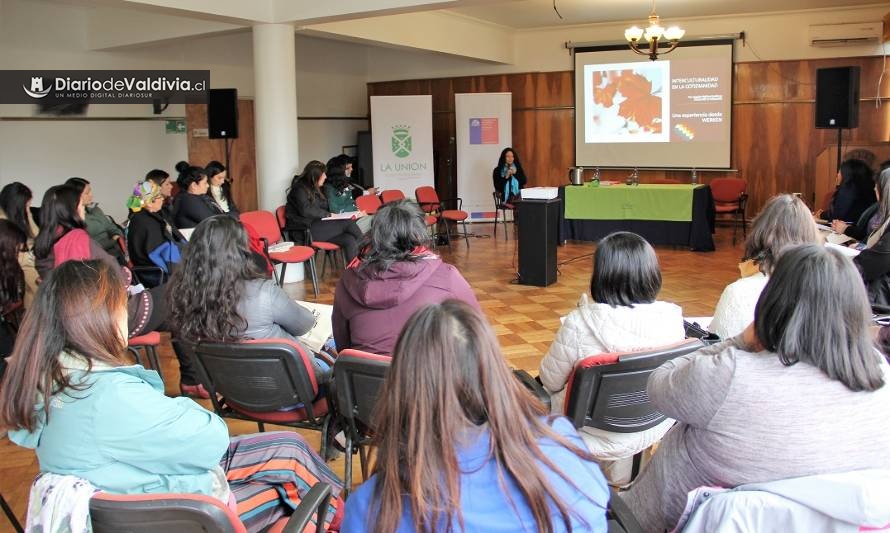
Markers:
{"x": 784, "y": 221}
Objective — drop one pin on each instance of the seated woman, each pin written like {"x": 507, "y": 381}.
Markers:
{"x": 150, "y": 238}
{"x": 233, "y": 298}
{"x": 63, "y": 237}
{"x": 162, "y": 179}
{"x": 307, "y": 206}
{"x": 854, "y": 193}
{"x": 784, "y": 221}
{"x": 801, "y": 392}
{"x": 192, "y": 204}
{"x": 508, "y": 177}
{"x": 874, "y": 260}
{"x": 394, "y": 276}
{"x": 12, "y": 279}
{"x": 220, "y": 190}
{"x": 68, "y": 377}
{"x": 15, "y": 205}
{"x": 492, "y": 461}
{"x": 623, "y": 316}
{"x": 338, "y": 190}
{"x": 101, "y": 228}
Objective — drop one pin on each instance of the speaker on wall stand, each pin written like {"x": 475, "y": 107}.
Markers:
{"x": 222, "y": 118}
{"x": 837, "y": 101}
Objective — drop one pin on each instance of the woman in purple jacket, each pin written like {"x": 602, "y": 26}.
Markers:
{"x": 393, "y": 276}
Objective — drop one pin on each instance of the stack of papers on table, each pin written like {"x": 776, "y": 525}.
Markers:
{"x": 539, "y": 193}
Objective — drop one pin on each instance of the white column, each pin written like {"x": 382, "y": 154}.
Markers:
{"x": 275, "y": 108}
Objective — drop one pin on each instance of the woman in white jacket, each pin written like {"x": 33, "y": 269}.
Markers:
{"x": 623, "y": 316}
{"x": 784, "y": 221}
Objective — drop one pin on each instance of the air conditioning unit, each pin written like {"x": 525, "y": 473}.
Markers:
{"x": 846, "y": 34}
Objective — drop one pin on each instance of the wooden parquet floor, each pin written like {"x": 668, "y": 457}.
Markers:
{"x": 525, "y": 318}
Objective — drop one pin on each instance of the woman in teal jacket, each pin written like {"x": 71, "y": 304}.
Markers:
{"x": 102, "y": 420}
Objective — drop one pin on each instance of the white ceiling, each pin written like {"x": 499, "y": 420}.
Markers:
{"x": 526, "y": 14}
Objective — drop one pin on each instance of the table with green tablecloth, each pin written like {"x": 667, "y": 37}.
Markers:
{"x": 680, "y": 215}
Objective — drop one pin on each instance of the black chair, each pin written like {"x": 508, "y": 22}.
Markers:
{"x": 608, "y": 391}
{"x": 267, "y": 381}
{"x": 187, "y": 513}
{"x": 619, "y": 517}
{"x": 358, "y": 378}
{"x": 500, "y": 207}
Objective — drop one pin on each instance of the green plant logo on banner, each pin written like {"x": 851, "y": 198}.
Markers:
{"x": 401, "y": 141}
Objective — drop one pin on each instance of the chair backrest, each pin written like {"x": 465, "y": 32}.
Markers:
{"x": 728, "y": 190}
{"x": 358, "y": 379}
{"x": 427, "y": 198}
{"x": 264, "y": 223}
{"x": 498, "y": 200}
{"x": 149, "y": 513}
{"x": 258, "y": 375}
{"x": 608, "y": 391}
{"x": 369, "y": 203}
{"x": 281, "y": 216}
{"x": 391, "y": 195}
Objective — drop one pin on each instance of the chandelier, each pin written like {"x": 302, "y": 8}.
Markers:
{"x": 653, "y": 36}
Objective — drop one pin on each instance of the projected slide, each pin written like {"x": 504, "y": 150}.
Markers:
{"x": 679, "y": 108}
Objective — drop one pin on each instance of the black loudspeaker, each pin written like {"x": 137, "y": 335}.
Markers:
{"x": 837, "y": 97}
{"x": 537, "y": 220}
{"x": 222, "y": 114}
{"x": 364, "y": 160}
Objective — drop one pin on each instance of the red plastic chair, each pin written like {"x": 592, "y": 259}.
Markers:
{"x": 369, "y": 203}
{"x": 431, "y": 204}
{"x": 266, "y": 225}
{"x": 391, "y": 195}
{"x": 148, "y": 343}
{"x": 731, "y": 198}
{"x": 149, "y": 513}
{"x": 331, "y": 250}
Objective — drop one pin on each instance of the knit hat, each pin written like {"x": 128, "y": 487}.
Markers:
{"x": 144, "y": 193}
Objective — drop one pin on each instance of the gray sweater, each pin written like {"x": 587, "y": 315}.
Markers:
{"x": 745, "y": 418}
{"x": 271, "y": 314}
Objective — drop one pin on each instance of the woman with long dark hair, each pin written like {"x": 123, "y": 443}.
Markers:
{"x": 101, "y": 228}
{"x": 801, "y": 392}
{"x": 63, "y": 237}
{"x": 70, "y": 394}
{"x": 462, "y": 446}
{"x": 341, "y": 192}
{"x": 15, "y": 205}
{"x": 192, "y": 204}
{"x": 307, "y": 206}
{"x": 220, "y": 189}
{"x": 854, "y": 193}
{"x": 394, "y": 275}
{"x": 12, "y": 279}
{"x": 219, "y": 294}
{"x": 508, "y": 177}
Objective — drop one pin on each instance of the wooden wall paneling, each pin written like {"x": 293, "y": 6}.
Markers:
{"x": 242, "y": 156}
{"x": 555, "y": 89}
{"x": 775, "y": 143}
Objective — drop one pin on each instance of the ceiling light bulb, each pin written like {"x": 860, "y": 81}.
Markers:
{"x": 653, "y": 32}
{"x": 633, "y": 33}
{"x": 674, "y": 33}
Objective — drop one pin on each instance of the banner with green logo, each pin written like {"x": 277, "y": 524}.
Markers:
{"x": 402, "y": 142}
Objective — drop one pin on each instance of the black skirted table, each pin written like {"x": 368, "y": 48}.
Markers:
{"x": 678, "y": 215}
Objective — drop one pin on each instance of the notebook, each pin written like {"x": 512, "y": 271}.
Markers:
{"x": 316, "y": 337}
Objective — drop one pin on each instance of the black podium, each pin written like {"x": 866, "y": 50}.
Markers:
{"x": 538, "y": 222}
